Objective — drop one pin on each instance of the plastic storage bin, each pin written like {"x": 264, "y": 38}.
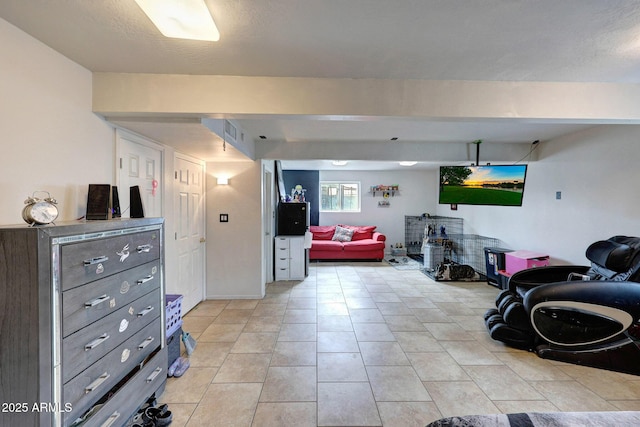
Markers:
{"x": 433, "y": 256}
{"x": 495, "y": 261}
{"x": 521, "y": 260}
{"x": 173, "y": 313}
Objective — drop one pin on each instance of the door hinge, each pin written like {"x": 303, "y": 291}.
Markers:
{"x": 120, "y": 162}
{"x": 175, "y": 175}
{"x": 176, "y": 235}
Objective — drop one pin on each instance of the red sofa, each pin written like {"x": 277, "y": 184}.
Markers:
{"x": 365, "y": 243}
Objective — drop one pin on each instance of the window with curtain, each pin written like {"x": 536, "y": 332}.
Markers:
{"x": 339, "y": 196}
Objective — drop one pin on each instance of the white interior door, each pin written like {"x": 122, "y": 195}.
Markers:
{"x": 139, "y": 163}
{"x": 189, "y": 233}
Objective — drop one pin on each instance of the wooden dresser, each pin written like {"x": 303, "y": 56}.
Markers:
{"x": 81, "y": 321}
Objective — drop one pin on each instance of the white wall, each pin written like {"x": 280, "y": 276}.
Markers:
{"x": 234, "y": 248}
{"x": 597, "y": 172}
{"x": 50, "y": 138}
{"x": 417, "y": 196}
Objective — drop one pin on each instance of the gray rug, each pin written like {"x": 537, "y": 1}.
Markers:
{"x": 403, "y": 263}
{"x": 543, "y": 419}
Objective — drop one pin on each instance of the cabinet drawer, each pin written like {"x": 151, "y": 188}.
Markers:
{"x": 87, "y": 261}
{"x": 126, "y": 401}
{"x": 282, "y": 252}
{"x": 281, "y": 242}
{"x": 282, "y": 263}
{"x": 83, "y": 348}
{"x": 85, "y": 304}
{"x": 89, "y": 386}
{"x": 282, "y": 273}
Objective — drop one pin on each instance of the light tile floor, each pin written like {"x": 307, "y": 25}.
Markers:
{"x": 364, "y": 344}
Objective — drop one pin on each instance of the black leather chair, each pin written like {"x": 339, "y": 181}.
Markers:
{"x": 586, "y": 315}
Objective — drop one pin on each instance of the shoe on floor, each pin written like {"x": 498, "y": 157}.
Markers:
{"x": 183, "y": 365}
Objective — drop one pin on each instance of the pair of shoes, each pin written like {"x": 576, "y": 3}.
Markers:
{"x": 158, "y": 416}
{"x": 179, "y": 367}
{"x": 151, "y": 402}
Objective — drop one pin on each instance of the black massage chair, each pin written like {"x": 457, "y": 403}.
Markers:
{"x": 587, "y": 315}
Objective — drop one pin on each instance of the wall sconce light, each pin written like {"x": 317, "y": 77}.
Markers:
{"x": 223, "y": 180}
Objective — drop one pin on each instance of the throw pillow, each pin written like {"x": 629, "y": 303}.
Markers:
{"x": 342, "y": 234}
{"x": 322, "y": 232}
{"x": 360, "y": 232}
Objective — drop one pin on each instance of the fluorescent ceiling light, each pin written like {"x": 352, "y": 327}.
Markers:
{"x": 407, "y": 163}
{"x": 181, "y": 19}
{"x": 339, "y": 162}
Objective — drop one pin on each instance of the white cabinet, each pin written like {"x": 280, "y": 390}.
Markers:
{"x": 290, "y": 257}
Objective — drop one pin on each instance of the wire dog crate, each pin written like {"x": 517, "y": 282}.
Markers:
{"x": 469, "y": 249}
{"x": 432, "y": 229}
{"x": 441, "y": 239}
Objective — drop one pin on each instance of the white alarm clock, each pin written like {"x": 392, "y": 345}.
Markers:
{"x": 40, "y": 211}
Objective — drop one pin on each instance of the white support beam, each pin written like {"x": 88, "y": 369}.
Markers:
{"x": 117, "y": 94}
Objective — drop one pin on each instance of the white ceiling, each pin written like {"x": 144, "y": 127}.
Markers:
{"x": 496, "y": 40}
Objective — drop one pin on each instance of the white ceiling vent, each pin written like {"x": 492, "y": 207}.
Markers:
{"x": 230, "y": 131}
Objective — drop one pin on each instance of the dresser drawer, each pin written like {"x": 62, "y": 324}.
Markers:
{"x": 85, "y": 304}
{"x": 89, "y": 386}
{"x": 282, "y": 273}
{"x": 282, "y": 252}
{"x": 87, "y": 261}
{"x": 126, "y": 401}
{"x": 282, "y": 262}
{"x": 281, "y": 242}
{"x": 83, "y": 348}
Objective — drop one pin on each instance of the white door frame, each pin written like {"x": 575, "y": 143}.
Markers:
{"x": 268, "y": 220}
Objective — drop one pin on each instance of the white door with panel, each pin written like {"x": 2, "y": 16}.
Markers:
{"x": 139, "y": 163}
{"x": 189, "y": 232}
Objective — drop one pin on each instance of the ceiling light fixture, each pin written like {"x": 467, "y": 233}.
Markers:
{"x": 339, "y": 162}
{"x": 181, "y": 19}
{"x": 407, "y": 163}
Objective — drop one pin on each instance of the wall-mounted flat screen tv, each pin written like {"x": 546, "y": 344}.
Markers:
{"x": 501, "y": 185}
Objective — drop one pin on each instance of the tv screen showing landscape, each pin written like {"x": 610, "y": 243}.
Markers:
{"x": 501, "y": 185}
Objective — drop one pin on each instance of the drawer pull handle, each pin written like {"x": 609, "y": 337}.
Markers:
{"x": 145, "y": 311}
{"x": 112, "y": 419}
{"x": 94, "y": 385}
{"x": 143, "y": 248}
{"x": 154, "y": 374}
{"x": 93, "y": 344}
{"x": 145, "y": 279}
{"x": 145, "y": 343}
{"x": 96, "y": 260}
{"x": 96, "y": 301}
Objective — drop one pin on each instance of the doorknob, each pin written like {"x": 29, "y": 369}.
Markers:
{"x": 202, "y": 240}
